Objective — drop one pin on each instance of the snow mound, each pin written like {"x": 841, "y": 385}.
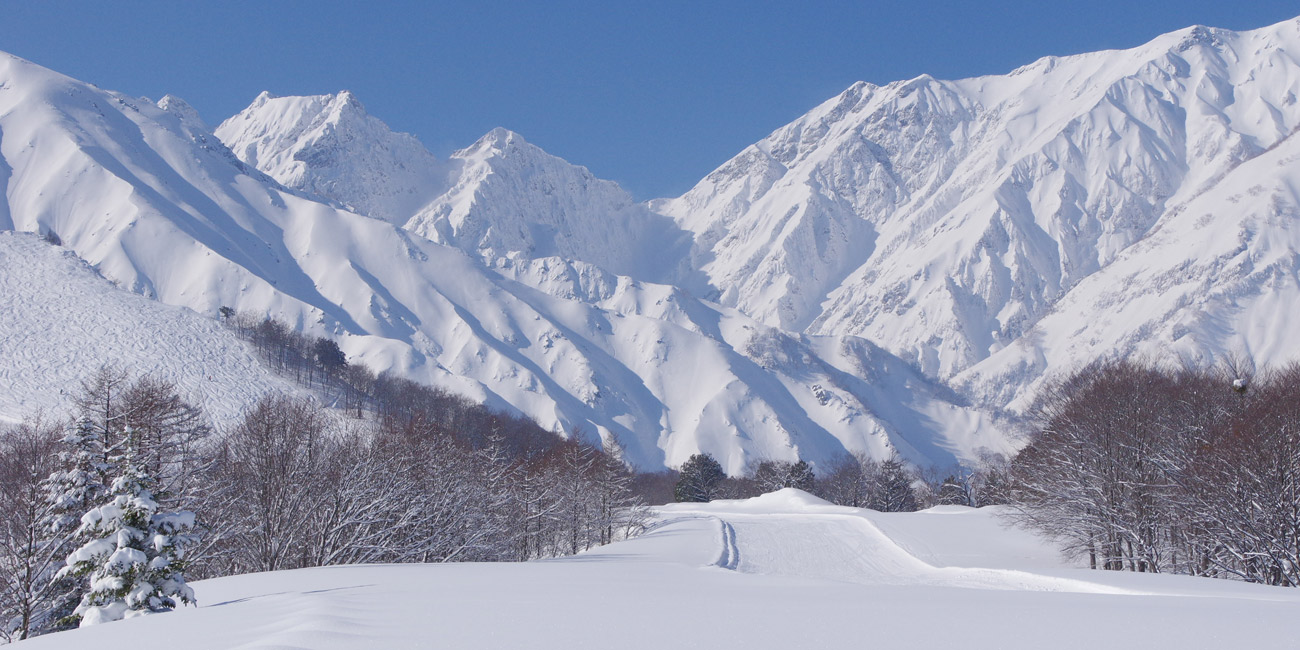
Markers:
{"x": 785, "y": 500}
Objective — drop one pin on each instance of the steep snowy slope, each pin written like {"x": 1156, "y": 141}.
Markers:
{"x": 944, "y": 219}
{"x": 512, "y": 196}
{"x": 157, "y": 205}
{"x": 61, "y": 321}
{"x": 330, "y": 146}
{"x": 497, "y": 196}
{"x": 1218, "y": 276}
{"x": 778, "y": 571}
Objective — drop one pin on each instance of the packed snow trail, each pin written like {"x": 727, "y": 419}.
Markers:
{"x": 807, "y": 537}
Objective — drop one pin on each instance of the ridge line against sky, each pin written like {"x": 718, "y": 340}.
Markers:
{"x": 652, "y": 95}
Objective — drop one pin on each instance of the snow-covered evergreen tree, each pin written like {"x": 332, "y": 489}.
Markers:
{"x": 79, "y": 484}
{"x": 134, "y": 561}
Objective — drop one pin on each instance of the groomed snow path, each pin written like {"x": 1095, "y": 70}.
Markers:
{"x": 784, "y": 570}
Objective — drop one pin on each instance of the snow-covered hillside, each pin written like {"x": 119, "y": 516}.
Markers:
{"x": 945, "y": 220}
{"x": 61, "y": 321}
{"x": 159, "y": 206}
{"x": 784, "y": 570}
{"x": 1220, "y": 274}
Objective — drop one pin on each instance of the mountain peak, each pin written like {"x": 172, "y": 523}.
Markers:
{"x": 345, "y": 103}
{"x": 1198, "y": 35}
{"x": 182, "y": 109}
{"x": 330, "y": 146}
{"x": 500, "y": 139}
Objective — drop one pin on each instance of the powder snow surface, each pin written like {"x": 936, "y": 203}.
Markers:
{"x": 785, "y": 570}
{"x": 61, "y": 321}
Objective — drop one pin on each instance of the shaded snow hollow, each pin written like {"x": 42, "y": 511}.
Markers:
{"x": 784, "y": 570}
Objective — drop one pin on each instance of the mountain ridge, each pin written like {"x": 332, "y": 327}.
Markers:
{"x": 165, "y": 210}
{"x": 886, "y": 272}
{"x": 984, "y": 200}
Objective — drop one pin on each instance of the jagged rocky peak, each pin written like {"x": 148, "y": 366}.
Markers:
{"x": 330, "y": 146}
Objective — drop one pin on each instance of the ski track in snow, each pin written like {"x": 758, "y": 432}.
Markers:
{"x": 849, "y": 547}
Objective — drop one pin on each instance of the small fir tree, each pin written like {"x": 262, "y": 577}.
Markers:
{"x": 134, "y": 561}
{"x": 71, "y": 492}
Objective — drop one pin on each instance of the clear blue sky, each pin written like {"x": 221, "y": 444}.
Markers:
{"x": 651, "y": 94}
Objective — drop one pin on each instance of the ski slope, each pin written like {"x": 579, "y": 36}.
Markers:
{"x": 785, "y": 570}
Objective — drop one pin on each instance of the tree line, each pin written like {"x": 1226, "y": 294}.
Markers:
{"x": 426, "y": 477}
{"x": 1142, "y": 468}
{"x": 855, "y": 480}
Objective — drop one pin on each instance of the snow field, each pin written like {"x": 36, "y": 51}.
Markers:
{"x": 806, "y": 574}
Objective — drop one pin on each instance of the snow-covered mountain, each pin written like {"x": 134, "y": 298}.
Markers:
{"x": 968, "y": 226}
{"x": 497, "y": 196}
{"x": 155, "y": 203}
{"x": 990, "y": 232}
{"x": 1219, "y": 275}
{"x": 330, "y": 146}
{"x": 950, "y": 220}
